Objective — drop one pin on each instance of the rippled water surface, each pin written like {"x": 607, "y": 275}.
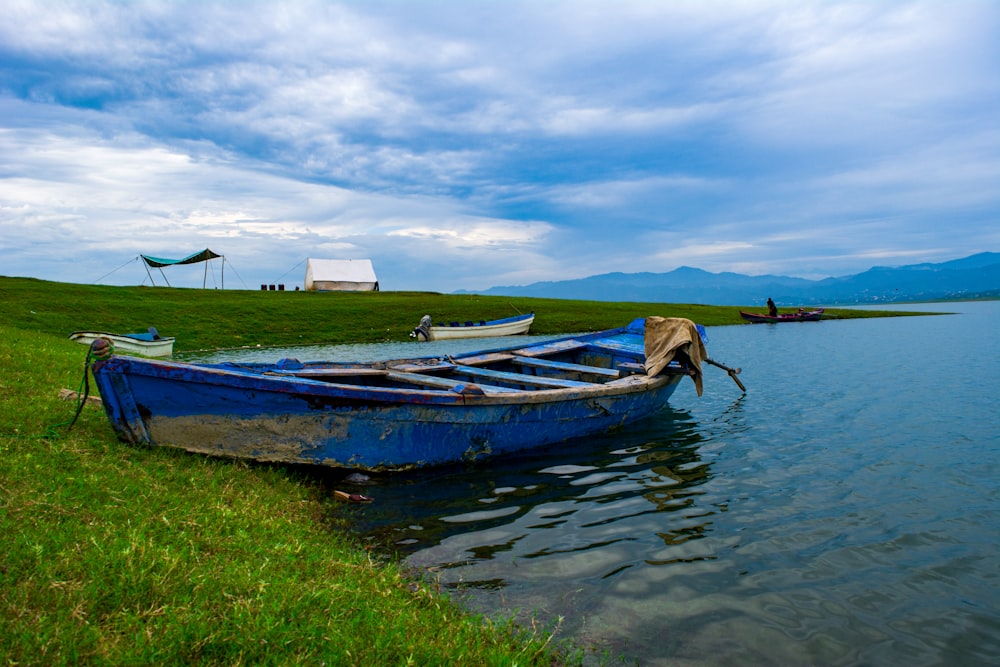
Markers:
{"x": 845, "y": 511}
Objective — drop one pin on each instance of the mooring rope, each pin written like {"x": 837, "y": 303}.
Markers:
{"x": 82, "y": 398}
{"x": 100, "y": 349}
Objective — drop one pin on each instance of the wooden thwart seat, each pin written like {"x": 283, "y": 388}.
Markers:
{"x": 439, "y": 382}
{"x": 563, "y": 366}
{"x": 333, "y": 373}
{"x": 520, "y": 378}
{"x": 550, "y": 348}
{"x": 615, "y": 346}
{"x": 485, "y": 358}
{"x": 632, "y": 368}
{"x": 414, "y": 367}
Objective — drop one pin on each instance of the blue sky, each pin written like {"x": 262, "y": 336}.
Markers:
{"x": 463, "y": 145}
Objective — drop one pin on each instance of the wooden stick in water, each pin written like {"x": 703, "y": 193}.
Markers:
{"x": 733, "y": 372}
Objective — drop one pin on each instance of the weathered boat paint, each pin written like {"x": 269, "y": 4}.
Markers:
{"x": 364, "y": 419}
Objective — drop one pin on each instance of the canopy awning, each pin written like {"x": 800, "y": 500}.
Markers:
{"x": 160, "y": 262}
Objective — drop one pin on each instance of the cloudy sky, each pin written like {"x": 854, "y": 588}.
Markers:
{"x": 465, "y": 144}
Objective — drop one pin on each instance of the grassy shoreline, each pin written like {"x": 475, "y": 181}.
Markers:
{"x": 211, "y": 319}
{"x": 117, "y": 554}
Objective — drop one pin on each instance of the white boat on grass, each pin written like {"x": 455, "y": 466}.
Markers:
{"x": 508, "y": 326}
{"x": 149, "y": 344}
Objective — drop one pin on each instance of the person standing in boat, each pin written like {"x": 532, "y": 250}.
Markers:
{"x": 772, "y": 310}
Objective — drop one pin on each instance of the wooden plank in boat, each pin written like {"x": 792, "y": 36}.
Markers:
{"x": 520, "y": 378}
{"x": 313, "y": 373}
{"x": 439, "y": 382}
{"x": 632, "y": 368}
{"x": 565, "y": 366}
{"x": 486, "y": 358}
{"x": 610, "y": 345}
{"x": 422, "y": 367}
{"x": 550, "y": 348}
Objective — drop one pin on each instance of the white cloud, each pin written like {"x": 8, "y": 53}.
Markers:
{"x": 506, "y": 142}
{"x": 123, "y": 200}
{"x": 620, "y": 193}
{"x": 493, "y": 234}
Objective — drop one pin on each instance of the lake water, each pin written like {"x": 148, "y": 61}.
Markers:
{"x": 845, "y": 511}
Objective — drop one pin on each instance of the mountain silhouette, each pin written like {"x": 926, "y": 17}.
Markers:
{"x": 976, "y": 276}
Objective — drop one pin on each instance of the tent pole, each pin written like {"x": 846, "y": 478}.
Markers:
{"x": 165, "y": 277}
{"x": 204, "y": 281}
{"x": 223, "y": 272}
{"x": 149, "y": 273}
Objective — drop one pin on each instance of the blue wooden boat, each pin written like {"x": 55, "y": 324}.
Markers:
{"x": 404, "y": 413}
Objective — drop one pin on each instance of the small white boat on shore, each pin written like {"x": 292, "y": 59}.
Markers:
{"x": 508, "y": 326}
{"x": 149, "y": 344}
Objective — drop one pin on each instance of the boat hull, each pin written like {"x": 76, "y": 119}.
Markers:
{"x": 390, "y": 415}
{"x": 151, "y": 347}
{"x": 355, "y": 427}
{"x": 508, "y": 327}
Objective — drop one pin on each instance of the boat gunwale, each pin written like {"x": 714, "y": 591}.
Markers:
{"x": 270, "y": 375}
{"x": 288, "y": 384}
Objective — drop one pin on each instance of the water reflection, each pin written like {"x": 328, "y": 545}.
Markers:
{"x": 843, "y": 512}
{"x": 588, "y": 508}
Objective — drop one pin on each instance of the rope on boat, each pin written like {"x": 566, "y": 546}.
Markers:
{"x": 100, "y": 349}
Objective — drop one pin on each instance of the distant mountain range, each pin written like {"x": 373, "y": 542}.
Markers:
{"x": 976, "y": 276}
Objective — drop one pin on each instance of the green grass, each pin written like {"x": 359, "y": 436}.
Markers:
{"x": 115, "y": 554}
{"x": 202, "y": 319}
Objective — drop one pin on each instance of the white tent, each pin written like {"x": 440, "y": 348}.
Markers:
{"x": 350, "y": 275}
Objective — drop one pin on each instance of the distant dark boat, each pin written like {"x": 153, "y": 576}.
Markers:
{"x": 801, "y": 316}
{"x": 404, "y": 413}
{"x": 509, "y": 326}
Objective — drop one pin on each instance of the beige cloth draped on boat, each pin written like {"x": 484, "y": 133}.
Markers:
{"x": 670, "y": 337}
